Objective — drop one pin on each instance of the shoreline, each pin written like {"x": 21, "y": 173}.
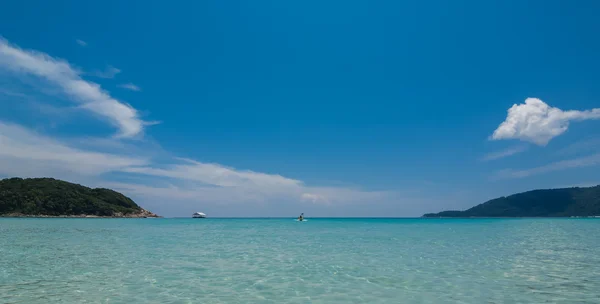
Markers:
{"x": 142, "y": 214}
{"x": 77, "y": 216}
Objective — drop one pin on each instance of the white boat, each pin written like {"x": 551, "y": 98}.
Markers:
{"x": 198, "y": 215}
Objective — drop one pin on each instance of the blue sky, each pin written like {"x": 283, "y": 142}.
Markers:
{"x": 272, "y": 108}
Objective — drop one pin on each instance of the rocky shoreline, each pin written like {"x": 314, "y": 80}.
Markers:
{"x": 142, "y": 214}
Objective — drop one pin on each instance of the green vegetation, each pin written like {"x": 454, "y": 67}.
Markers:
{"x": 537, "y": 203}
{"x": 51, "y": 197}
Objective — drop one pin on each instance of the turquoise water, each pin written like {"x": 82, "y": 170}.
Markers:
{"x": 285, "y": 261}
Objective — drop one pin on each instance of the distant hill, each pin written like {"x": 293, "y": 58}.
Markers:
{"x": 537, "y": 203}
{"x": 52, "y": 197}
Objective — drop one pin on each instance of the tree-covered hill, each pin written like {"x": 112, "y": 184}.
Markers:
{"x": 564, "y": 202}
{"x": 52, "y": 197}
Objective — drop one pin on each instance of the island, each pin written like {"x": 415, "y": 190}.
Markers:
{"x": 49, "y": 197}
{"x": 565, "y": 202}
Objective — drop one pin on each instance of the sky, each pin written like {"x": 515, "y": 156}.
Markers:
{"x": 273, "y": 108}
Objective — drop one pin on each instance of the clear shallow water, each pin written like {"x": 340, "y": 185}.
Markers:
{"x": 284, "y": 261}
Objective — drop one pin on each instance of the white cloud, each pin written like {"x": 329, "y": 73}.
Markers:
{"x": 110, "y": 72}
{"x": 61, "y": 74}
{"x": 81, "y": 42}
{"x": 172, "y": 200}
{"x": 130, "y": 86}
{"x": 229, "y": 182}
{"x": 26, "y": 153}
{"x": 178, "y": 194}
{"x": 504, "y": 153}
{"x": 23, "y": 151}
{"x": 587, "y": 161}
{"x": 313, "y": 197}
{"x": 536, "y": 122}
{"x": 166, "y": 190}
{"x": 217, "y": 175}
{"x": 138, "y": 168}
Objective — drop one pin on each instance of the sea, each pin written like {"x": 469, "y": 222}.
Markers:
{"x": 285, "y": 261}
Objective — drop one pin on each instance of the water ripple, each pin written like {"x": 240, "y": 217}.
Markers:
{"x": 281, "y": 261}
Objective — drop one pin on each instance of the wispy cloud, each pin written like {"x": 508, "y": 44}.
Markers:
{"x": 257, "y": 185}
{"x": 537, "y": 122}
{"x": 109, "y": 72}
{"x": 504, "y": 153}
{"x": 11, "y": 93}
{"x": 168, "y": 181}
{"x": 62, "y": 75}
{"x": 587, "y": 161}
{"x": 25, "y": 152}
{"x": 130, "y": 86}
{"x": 217, "y": 175}
{"x": 229, "y": 184}
{"x": 587, "y": 145}
{"x": 81, "y": 42}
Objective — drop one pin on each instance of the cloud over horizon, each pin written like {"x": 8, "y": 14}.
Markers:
{"x": 26, "y": 153}
{"x": 109, "y": 162}
{"x": 538, "y": 123}
{"x": 256, "y": 185}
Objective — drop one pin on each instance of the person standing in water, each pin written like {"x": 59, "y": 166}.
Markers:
{"x": 301, "y": 217}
